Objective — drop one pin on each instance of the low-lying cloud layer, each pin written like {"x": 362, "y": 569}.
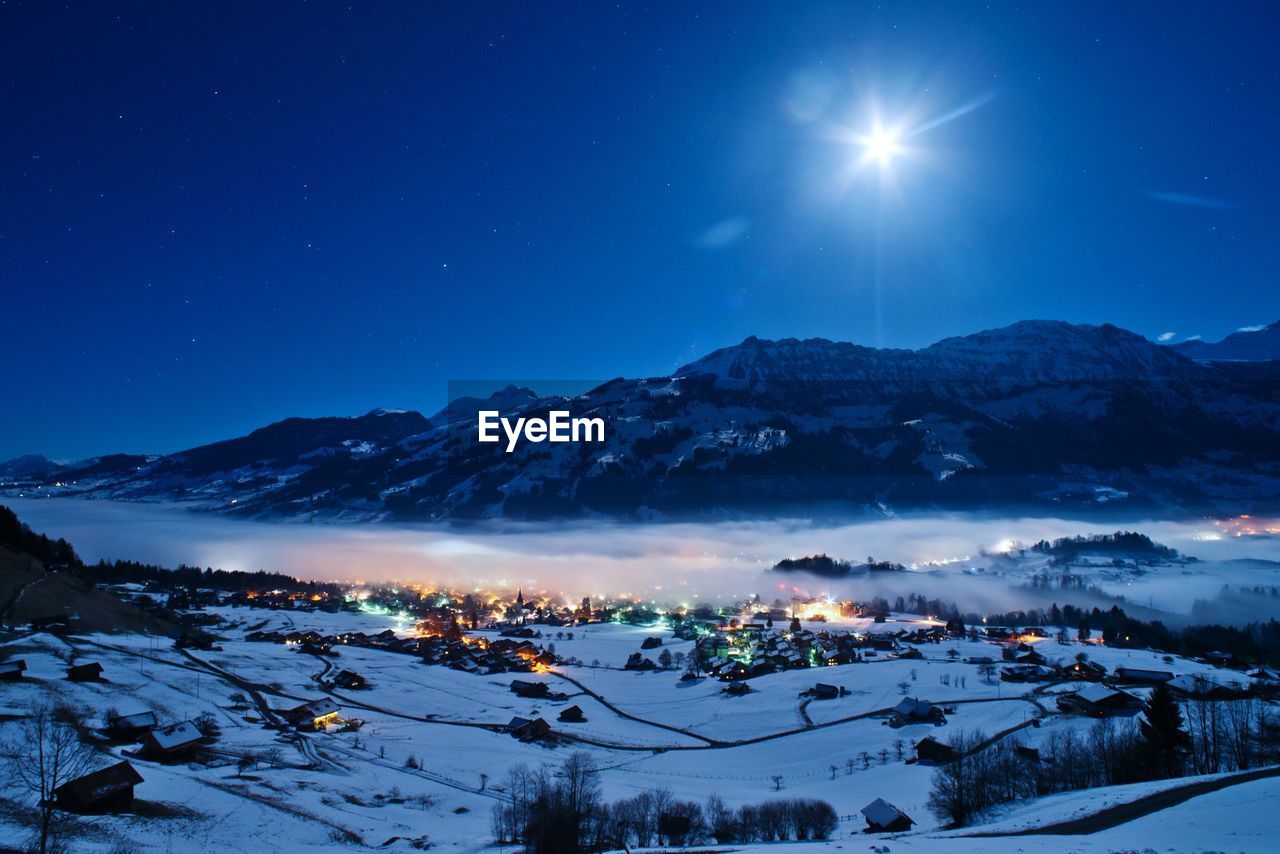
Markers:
{"x": 672, "y": 563}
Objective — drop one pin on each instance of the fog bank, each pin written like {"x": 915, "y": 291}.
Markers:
{"x": 671, "y": 562}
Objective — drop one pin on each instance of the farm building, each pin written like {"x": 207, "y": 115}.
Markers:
{"x": 528, "y": 730}
{"x": 823, "y": 691}
{"x": 316, "y": 714}
{"x": 12, "y": 670}
{"x": 126, "y": 727}
{"x": 107, "y": 790}
{"x": 90, "y": 672}
{"x": 884, "y": 817}
{"x": 1201, "y": 688}
{"x": 930, "y": 751}
{"x": 573, "y": 715}
{"x": 1084, "y": 671}
{"x": 1100, "y": 701}
{"x": 1138, "y": 676}
{"x": 350, "y": 680}
{"x": 912, "y": 711}
{"x": 529, "y": 690}
{"x": 171, "y": 742}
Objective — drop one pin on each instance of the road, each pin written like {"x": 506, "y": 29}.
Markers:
{"x": 1144, "y": 806}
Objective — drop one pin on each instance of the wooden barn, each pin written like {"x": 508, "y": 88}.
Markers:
{"x": 171, "y": 742}
{"x": 884, "y": 817}
{"x": 823, "y": 691}
{"x": 1099, "y": 701}
{"x": 529, "y": 730}
{"x": 1084, "y": 671}
{"x": 88, "y": 672}
{"x": 350, "y": 680}
{"x": 912, "y": 711}
{"x": 1138, "y": 676}
{"x": 12, "y": 670}
{"x": 109, "y": 789}
{"x": 573, "y": 715}
{"x": 126, "y": 727}
{"x": 529, "y": 690}
{"x": 930, "y": 751}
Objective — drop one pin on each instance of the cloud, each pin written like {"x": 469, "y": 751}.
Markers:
{"x": 682, "y": 562}
{"x": 1191, "y": 201}
{"x": 1166, "y": 336}
{"x": 724, "y": 233}
{"x": 1194, "y": 338}
{"x": 1257, "y": 328}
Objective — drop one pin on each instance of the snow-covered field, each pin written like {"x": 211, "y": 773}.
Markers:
{"x": 327, "y": 791}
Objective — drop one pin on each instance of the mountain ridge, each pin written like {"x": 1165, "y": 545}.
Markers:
{"x": 1041, "y": 414}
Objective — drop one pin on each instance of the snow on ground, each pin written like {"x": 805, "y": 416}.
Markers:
{"x": 330, "y": 791}
{"x": 1240, "y": 818}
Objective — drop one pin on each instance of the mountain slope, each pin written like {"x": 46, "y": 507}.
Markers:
{"x": 1040, "y": 414}
{"x": 1255, "y": 345}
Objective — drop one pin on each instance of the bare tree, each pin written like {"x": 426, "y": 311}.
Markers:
{"x": 46, "y": 755}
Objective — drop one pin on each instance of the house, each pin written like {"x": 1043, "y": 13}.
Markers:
{"x": 912, "y": 711}
{"x": 129, "y": 727}
{"x": 529, "y": 690}
{"x": 316, "y": 714}
{"x": 90, "y": 672}
{"x": 884, "y": 817}
{"x": 1225, "y": 659}
{"x": 930, "y": 751}
{"x": 1084, "y": 670}
{"x": 1138, "y": 676}
{"x": 636, "y": 661}
{"x": 171, "y": 742}
{"x": 1100, "y": 701}
{"x": 12, "y": 670}
{"x": 109, "y": 789}
{"x": 529, "y": 730}
{"x": 823, "y": 691}
{"x": 737, "y": 689}
{"x": 350, "y": 680}
{"x": 573, "y": 715}
{"x": 1024, "y": 673}
{"x": 1201, "y": 688}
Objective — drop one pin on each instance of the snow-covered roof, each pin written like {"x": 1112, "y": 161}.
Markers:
{"x": 321, "y": 707}
{"x": 175, "y": 736}
{"x": 1097, "y": 693}
{"x": 1189, "y": 684}
{"x": 136, "y": 719}
{"x": 909, "y": 706}
{"x": 881, "y": 813}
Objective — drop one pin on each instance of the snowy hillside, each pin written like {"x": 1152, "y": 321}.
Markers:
{"x": 429, "y": 760}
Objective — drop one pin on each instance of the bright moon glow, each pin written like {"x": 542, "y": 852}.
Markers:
{"x": 881, "y": 145}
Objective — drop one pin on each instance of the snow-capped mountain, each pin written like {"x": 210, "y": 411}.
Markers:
{"x": 1036, "y": 415}
{"x": 1248, "y": 345}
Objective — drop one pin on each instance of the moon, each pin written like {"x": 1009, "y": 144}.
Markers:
{"x": 881, "y": 145}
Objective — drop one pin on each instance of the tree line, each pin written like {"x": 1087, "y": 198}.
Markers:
{"x": 1169, "y": 740}
{"x": 555, "y": 812}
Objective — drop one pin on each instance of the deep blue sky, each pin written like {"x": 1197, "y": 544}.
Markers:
{"x": 212, "y": 218}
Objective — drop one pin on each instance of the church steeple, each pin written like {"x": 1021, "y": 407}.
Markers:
{"x": 520, "y": 598}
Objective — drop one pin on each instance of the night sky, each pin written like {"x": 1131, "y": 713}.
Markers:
{"x": 213, "y": 217}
